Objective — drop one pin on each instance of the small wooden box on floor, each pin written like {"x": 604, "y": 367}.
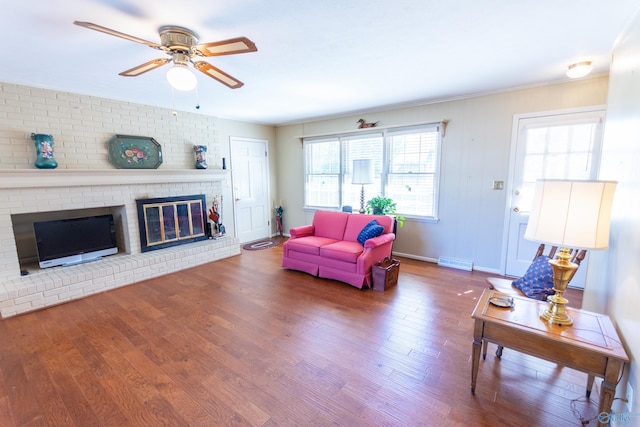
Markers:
{"x": 385, "y": 274}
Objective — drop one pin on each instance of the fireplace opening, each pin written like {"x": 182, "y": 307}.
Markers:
{"x": 171, "y": 221}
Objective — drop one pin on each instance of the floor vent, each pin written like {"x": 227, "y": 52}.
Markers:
{"x": 460, "y": 264}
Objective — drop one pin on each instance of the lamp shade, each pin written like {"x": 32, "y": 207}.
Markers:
{"x": 571, "y": 214}
{"x": 362, "y": 171}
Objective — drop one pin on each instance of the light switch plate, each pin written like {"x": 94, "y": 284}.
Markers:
{"x": 498, "y": 185}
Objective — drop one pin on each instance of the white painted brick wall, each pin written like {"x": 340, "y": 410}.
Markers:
{"x": 81, "y": 127}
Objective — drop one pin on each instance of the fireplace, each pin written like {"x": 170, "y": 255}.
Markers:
{"x": 171, "y": 221}
{"x": 30, "y": 195}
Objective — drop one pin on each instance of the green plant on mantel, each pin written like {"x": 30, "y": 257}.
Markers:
{"x": 379, "y": 205}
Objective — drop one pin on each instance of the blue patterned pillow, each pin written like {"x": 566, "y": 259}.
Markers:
{"x": 537, "y": 282}
{"x": 369, "y": 231}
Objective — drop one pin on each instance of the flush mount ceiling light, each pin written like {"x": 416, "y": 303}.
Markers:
{"x": 179, "y": 76}
{"x": 579, "y": 69}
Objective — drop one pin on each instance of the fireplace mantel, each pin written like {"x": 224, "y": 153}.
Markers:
{"x": 38, "y": 178}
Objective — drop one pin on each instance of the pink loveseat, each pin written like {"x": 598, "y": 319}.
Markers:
{"x": 329, "y": 247}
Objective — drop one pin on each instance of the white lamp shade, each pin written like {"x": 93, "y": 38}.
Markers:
{"x": 571, "y": 214}
{"x": 362, "y": 171}
{"x": 181, "y": 78}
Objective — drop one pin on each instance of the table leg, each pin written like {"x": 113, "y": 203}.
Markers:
{"x": 475, "y": 354}
{"x": 590, "y": 384}
{"x": 608, "y": 388}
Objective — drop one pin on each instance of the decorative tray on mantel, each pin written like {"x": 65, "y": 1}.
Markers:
{"x": 134, "y": 152}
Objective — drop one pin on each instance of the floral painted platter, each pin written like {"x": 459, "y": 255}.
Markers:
{"x": 134, "y": 152}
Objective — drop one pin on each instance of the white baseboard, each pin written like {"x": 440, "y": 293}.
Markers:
{"x": 460, "y": 264}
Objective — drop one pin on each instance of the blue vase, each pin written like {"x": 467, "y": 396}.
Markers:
{"x": 44, "y": 151}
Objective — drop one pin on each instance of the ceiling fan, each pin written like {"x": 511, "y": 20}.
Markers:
{"x": 181, "y": 44}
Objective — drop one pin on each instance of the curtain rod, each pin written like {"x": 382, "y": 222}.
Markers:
{"x": 443, "y": 123}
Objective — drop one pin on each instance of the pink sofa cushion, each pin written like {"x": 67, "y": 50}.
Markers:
{"x": 330, "y": 224}
{"x": 309, "y": 244}
{"x": 356, "y": 223}
{"x": 342, "y": 251}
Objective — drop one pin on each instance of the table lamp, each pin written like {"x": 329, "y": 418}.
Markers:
{"x": 569, "y": 214}
{"x": 362, "y": 174}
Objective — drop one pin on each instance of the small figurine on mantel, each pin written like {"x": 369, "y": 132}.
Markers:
{"x": 364, "y": 124}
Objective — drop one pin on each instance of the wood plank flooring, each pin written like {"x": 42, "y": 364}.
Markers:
{"x": 242, "y": 342}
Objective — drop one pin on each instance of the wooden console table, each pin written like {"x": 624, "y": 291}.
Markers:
{"x": 590, "y": 345}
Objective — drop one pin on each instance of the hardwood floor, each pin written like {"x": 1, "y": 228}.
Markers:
{"x": 243, "y": 342}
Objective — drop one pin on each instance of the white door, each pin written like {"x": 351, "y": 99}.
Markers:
{"x": 250, "y": 172}
{"x": 556, "y": 145}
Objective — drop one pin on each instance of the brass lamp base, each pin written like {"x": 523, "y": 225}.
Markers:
{"x": 563, "y": 270}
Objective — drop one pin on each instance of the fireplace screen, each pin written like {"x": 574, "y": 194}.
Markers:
{"x": 171, "y": 221}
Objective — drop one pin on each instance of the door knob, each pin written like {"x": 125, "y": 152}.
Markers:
{"x": 516, "y": 209}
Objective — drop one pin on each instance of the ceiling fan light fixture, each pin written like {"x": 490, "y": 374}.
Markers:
{"x": 181, "y": 78}
{"x": 182, "y": 45}
{"x": 579, "y": 69}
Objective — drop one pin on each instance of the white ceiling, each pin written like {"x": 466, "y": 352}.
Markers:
{"x": 315, "y": 58}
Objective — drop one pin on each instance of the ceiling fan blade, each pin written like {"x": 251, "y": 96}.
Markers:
{"x": 109, "y": 31}
{"x": 217, "y": 74}
{"x": 147, "y": 66}
{"x": 226, "y": 47}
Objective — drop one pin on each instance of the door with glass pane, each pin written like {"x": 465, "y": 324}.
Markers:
{"x": 563, "y": 145}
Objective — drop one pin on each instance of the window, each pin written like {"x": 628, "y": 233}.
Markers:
{"x": 322, "y": 173}
{"x": 406, "y": 168}
{"x": 565, "y": 146}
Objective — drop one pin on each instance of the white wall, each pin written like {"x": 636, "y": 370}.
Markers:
{"x": 615, "y": 289}
{"x": 475, "y": 152}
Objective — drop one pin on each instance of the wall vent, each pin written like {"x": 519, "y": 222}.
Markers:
{"x": 460, "y": 264}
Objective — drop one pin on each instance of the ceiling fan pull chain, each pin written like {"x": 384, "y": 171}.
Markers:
{"x": 173, "y": 102}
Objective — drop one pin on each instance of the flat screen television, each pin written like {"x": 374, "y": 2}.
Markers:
{"x": 75, "y": 240}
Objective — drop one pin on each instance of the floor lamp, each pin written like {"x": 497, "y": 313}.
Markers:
{"x": 362, "y": 174}
{"x": 569, "y": 214}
